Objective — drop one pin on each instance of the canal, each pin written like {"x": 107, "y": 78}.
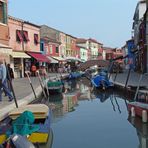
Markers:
{"x": 93, "y": 119}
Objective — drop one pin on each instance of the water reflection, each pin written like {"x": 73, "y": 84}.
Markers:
{"x": 82, "y": 111}
{"x": 142, "y": 131}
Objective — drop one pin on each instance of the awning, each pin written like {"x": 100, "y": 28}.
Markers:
{"x": 73, "y": 59}
{"x": 39, "y": 57}
{"x": 19, "y": 55}
{"x": 52, "y": 60}
{"x": 4, "y": 49}
{"x": 59, "y": 58}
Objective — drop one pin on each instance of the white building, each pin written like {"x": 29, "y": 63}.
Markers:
{"x": 138, "y": 17}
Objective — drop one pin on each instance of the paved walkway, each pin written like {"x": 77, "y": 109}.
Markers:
{"x": 133, "y": 79}
{"x": 25, "y": 95}
{"x": 23, "y": 92}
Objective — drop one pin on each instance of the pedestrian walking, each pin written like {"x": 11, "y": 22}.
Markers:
{"x": 10, "y": 76}
{"x": 3, "y": 81}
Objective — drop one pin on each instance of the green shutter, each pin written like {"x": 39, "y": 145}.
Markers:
{"x": 5, "y": 13}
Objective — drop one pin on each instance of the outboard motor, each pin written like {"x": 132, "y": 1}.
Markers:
{"x": 18, "y": 141}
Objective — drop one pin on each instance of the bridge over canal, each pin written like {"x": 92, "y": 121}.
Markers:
{"x": 88, "y": 64}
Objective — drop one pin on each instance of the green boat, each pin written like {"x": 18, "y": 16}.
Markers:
{"x": 55, "y": 86}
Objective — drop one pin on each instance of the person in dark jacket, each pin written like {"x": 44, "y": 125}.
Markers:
{"x": 10, "y": 74}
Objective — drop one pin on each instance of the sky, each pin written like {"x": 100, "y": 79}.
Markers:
{"x": 107, "y": 21}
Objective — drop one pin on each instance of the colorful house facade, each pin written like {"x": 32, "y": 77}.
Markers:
{"x": 93, "y": 46}
{"x": 83, "y": 53}
{"x": 139, "y": 29}
{"x": 24, "y": 40}
{"x": 51, "y": 39}
{"x": 70, "y": 46}
{"x": 62, "y": 47}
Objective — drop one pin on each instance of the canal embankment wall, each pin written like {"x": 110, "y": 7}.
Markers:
{"x": 121, "y": 79}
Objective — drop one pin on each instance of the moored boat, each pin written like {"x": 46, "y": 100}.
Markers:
{"x": 75, "y": 75}
{"x": 138, "y": 108}
{"x": 32, "y": 121}
{"x": 101, "y": 81}
{"x": 55, "y": 86}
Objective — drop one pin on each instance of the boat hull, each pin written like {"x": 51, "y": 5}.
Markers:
{"x": 138, "y": 108}
{"x": 55, "y": 87}
{"x": 42, "y": 121}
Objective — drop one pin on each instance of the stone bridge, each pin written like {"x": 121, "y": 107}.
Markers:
{"x": 88, "y": 64}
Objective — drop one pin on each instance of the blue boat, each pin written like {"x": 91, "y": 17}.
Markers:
{"x": 101, "y": 80}
{"x": 74, "y": 75}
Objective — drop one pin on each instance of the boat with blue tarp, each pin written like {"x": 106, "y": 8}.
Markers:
{"x": 101, "y": 80}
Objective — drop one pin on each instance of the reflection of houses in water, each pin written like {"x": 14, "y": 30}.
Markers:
{"x": 70, "y": 100}
{"x": 85, "y": 93}
{"x": 57, "y": 111}
{"x": 142, "y": 131}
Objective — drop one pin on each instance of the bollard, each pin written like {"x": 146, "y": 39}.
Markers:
{"x": 144, "y": 116}
{"x": 133, "y": 112}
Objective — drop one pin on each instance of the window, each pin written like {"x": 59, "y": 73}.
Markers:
{"x": 25, "y": 36}
{"x": 3, "y": 13}
{"x": 42, "y": 46}
{"x": 36, "y": 39}
{"x": 50, "y": 49}
{"x": 19, "y": 37}
{"x": 57, "y": 49}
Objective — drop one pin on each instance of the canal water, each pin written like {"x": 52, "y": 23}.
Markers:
{"x": 86, "y": 119}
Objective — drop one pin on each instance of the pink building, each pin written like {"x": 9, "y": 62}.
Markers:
{"x": 24, "y": 41}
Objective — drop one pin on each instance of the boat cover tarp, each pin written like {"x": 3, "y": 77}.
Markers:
{"x": 101, "y": 78}
{"x": 54, "y": 84}
{"x": 24, "y": 124}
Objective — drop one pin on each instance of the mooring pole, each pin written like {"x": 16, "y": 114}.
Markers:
{"x": 128, "y": 75}
{"x": 40, "y": 80}
{"x": 31, "y": 85}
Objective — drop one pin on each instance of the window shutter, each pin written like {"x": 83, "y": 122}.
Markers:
{"x": 25, "y": 34}
{"x": 19, "y": 36}
{"x": 5, "y": 21}
{"x": 36, "y": 39}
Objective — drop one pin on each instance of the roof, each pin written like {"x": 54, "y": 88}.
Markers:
{"x": 95, "y": 41}
{"x": 108, "y": 48}
{"x": 58, "y": 30}
{"x": 81, "y": 46}
{"x": 21, "y": 20}
{"x": 81, "y": 40}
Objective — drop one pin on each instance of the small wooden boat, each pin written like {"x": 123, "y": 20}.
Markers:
{"x": 41, "y": 135}
{"x": 55, "y": 86}
{"x": 139, "y": 107}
